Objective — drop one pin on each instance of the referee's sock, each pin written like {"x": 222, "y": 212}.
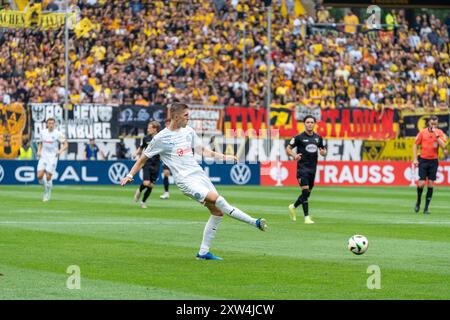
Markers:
{"x": 419, "y": 195}
{"x": 147, "y": 194}
{"x": 142, "y": 187}
{"x": 429, "y": 196}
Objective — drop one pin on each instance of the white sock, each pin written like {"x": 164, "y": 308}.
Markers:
{"x": 209, "y": 233}
{"x": 234, "y": 212}
{"x": 43, "y": 182}
{"x": 49, "y": 186}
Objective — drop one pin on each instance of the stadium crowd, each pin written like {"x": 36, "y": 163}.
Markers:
{"x": 149, "y": 52}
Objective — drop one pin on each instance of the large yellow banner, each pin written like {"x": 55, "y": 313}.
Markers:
{"x": 34, "y": 19}
{"x": 394, "y": 150}
{"x": 12, "y": 123}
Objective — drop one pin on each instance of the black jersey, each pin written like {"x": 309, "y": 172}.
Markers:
{"x": 308, "y": 146}
{"x": 153, "y": 160}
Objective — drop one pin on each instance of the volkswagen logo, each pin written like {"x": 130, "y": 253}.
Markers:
{"x": 116, "y": 172}
{"x": 2, "y": 173}
{"x": 240, "y": 174}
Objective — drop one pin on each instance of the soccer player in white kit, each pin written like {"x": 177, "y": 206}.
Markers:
{"x": 175, "y": 145}
{"x": 48, "y": 152}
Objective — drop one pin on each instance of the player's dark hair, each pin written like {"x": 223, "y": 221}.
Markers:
{"x": 309, "y": 116}
{"x": 156, "y": 125}
{"x": 51, "y": 119}
{"x": 433, "y": 118}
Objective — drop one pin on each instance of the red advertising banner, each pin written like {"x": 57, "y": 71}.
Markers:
{"x": 346, "y": 123}
{"x": 349, "y": 173}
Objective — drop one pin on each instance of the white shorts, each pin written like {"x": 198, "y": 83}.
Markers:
{"x": 196, "y": 186}
{"x": 47, "y": 164}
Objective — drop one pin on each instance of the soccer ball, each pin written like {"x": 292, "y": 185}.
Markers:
{"x": 358, "y": 244}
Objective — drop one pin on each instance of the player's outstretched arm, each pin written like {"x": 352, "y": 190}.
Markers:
{"x": 216, "y": 155}
{"x": 137, "y": 166}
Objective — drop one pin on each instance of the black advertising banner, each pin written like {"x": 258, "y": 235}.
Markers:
{"x": 84, "y": 121}
{"x": 133, "y": 117}
{"x": 414, "y": 122}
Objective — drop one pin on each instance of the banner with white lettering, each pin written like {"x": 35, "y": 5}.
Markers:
{"x": 260, "y": 149}
{"x": 111, "y": 172}
{"x": 84, "y": 121}
{"x": 347, "y": 173}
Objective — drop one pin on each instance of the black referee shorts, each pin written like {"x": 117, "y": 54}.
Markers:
{"x": 306, "y": 177}
{"x": 428, "y": 169}
{"x": 151, "y": 172}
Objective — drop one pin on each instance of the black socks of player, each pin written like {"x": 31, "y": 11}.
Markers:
{"x": 147, "y": 194}
{"x": 305, "y": 196}
{"x": 419, "y": 195}
{"x": 166, "y": 184}
{"x": 303, "y": 200}
{"x": 429, "y": 196}
{"x": 299, "y": 201}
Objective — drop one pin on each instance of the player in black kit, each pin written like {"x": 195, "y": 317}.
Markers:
{"x": 151, "y": 167}
{"x": 308, "y": 144}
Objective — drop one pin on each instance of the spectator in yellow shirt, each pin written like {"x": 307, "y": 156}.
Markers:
{"x": 350, "y": 21}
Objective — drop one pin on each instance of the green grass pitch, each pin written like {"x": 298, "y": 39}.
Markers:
{"x": 125, "y": 252}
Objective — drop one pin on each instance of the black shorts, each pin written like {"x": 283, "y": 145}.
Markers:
{"x": 306, "y": 177}
{"x": 151, "y": 172}
{"x": 428, "y": 169}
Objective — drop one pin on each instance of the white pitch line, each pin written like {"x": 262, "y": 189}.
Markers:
{"x": 100, "y": 222}
{"x": 180, "y": 222}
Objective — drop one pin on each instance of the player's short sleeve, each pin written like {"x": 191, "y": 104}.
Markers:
{"x": 153, "y": 148}
{"x": 320, "y": 144}
{"x": 293, "y": 142}
{"x": 419, "y": 138}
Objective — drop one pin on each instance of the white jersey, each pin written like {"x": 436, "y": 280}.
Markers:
{"x": 176, "y": 151}
{"x": 50, "y": 142}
